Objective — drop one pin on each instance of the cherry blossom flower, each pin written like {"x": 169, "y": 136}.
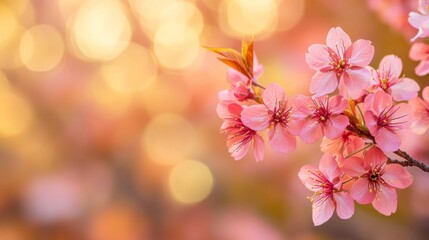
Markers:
{"x": 339, "y": 61}
{"x": 320, "y": 117}
{"x": 420, "y": 20}
{"x": 420, "y": 52}
{"x": 274, "y": 112}
{"x": 388, "y": 79}
{"x": 346, "y": 144}
{"x": 420, "y": 113}
{"x": 241, "y": 85}
{"x": 240, "y": 137}
{"x": 376, "y": 180}
{"x": 328, "y": 193}
{"x": 384, "y": 119}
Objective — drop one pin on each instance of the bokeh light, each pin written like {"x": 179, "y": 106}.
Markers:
{"x": 132, "y": 71}
{"x": 41, "y": 48}
{"x": 17, "y": 114}
{"x": 8, "y": 23}
{"x": 169, "y": 138}
{"x": 190, "y": 181}
{"x": 101, "y": 29}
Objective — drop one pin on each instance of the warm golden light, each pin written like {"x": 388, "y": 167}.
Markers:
{"x": 41, "y": 48}
{"x": 169, "y": 138}
{"x": 176, "y": 45}
{"x": 101, "y": 29}
{"x": 240, "y": 17}
{"x": 185, "y": 13}
{"x": 190, "y": 182}
{"x": 132, "y": 71}
{"x": 8, "y": 24}
{"x": 16, "y": 114}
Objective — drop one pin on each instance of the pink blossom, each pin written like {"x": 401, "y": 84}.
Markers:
{"x": 420, "y": 113}
{"x": 420, "y": 52}
{"x": 346, "y": 144}
{"x": 384, "y": 119}
{"x": 376, "y": 180}
{"x": 240, "y": 137}
{"x": 241, "y": 85}
{"x": 388, "y": 78}
{"x": 328, "y": 193}
{"x": 276, "y": 113}
{"x": 420, "y": 20}
{"x": 339, "y": 61}
{"x": 320, "y": 117}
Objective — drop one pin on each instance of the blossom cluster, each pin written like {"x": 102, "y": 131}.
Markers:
{"x": 357, "y": 112}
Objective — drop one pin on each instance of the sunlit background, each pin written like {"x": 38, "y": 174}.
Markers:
{"x": 108, "y": 128}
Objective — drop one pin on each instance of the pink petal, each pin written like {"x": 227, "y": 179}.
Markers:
{"x": 322, "y": 211}
{"x": 362, "y": 53}
{"x": 338, "y": 39}
{"x": 391, "y": 65}
{"x": 317, "y": 57}
{"x": 234, "y": 77}
{"x": 337, "y": 104}
{"x": 423, "y": 68}
{"x": 331, "y": 145}
{"x": 329, "y": 167}
{"x": 281, "y": 140}
{"x": 335, "y": 126}
{"x": 405, "y": 90}
{"x": 272, "y": 95}
{"x": 374, "y": 157}
{"x": 386, "y": 200}
{"x": 357, "y": 79}
{"x": 345, "y": 205}
{"x": 238, "y": 151}
{"x": 425, "y": 94}
{"x": 371, "y": 122}
{"x": 258, "y": 148}
{"x": 354, "y": 167}
{"x": 419, "y": 51}
{"x": 360, "y": 191}
{"x": 302, "y": 104}
{"x": 294, "y": 126}
{"x": 387, "y": 140}
{"x": 416, "y": 19}
{"x": 379, "y": 102}
{"x": 323, "y": 83}
{"x": 311, "y": 131}
{"x": 256, "y": 117}
{"x": 396, "y": 176}
{"x": 306, "y": 175}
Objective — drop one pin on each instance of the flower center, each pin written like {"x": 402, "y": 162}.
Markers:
{"x": 384, "y": 84}
{"x": 339, "y": 65}
{"x": 374, "y": 176}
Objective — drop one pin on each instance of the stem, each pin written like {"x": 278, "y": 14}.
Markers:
{"x": 258, "y": 85}
{"x": 358, "y": 151}
{"x": 350, "y": 179}
{"x": 410, "y": 161}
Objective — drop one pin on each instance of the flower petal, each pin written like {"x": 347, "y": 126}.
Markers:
{"x": 311, "y": 131}
{"x": 391, "y": 66}
{"x": 345, "y": 205}
{"x": 322, "y": 211}
{"x": 329, "y": 167}
{"x": 281, "y": 140}
{"x": 338, "y": 39}
{"x": 239, "y": 150}
{"x": 323, "y": 83}
{"x": 317, "y": 57}
{"x": 405, "y": 90}
{"x": 386, "y": 200}
{"x": 374, "y": 157}
{"x": 306, "y": 175}
{"x": 357, "y": 79}
{"x": 360, "y": 191}
{"x": 335, "y": 126}
{"x": 354, "y": 166}
{"x": 256, "y": 117}
{"x": 272, "y": 95}
{"x": 258, "y": 148}
{"x": 396, "y": 176}
{"x": 337, "y": 104}
{"x": 387, "y": 140}
{"x": 419, "y": 51}
{"x": 423, "y": 68}
{"x": 362, "y": 53}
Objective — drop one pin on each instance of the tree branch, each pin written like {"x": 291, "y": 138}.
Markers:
{"x": 410, "y": 161}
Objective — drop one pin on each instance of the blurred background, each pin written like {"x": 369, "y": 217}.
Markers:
{"x": 108, "y": 129}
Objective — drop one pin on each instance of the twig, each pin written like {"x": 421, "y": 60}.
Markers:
{"x": 410, "y": 161}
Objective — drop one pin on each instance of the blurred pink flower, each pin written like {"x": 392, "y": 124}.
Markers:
{"x": 339, "y": 61}
{"x": 241, "y": 85}
{"x": 240, "y": 137}
{"x": 320, "y": 117}
{"x": 420, "y": 52}
{"x": 420, "y": 20}
{"x": 275, "y": 111}
{"x": 376, "y": 180}
{"x": 327, "y": 186}
{"x": 420, "y": 113}
{"x": 388, "y": 79}
{"x": 384, "y": 119}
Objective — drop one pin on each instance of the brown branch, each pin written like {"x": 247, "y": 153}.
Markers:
{"x": 410, "y": 161}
